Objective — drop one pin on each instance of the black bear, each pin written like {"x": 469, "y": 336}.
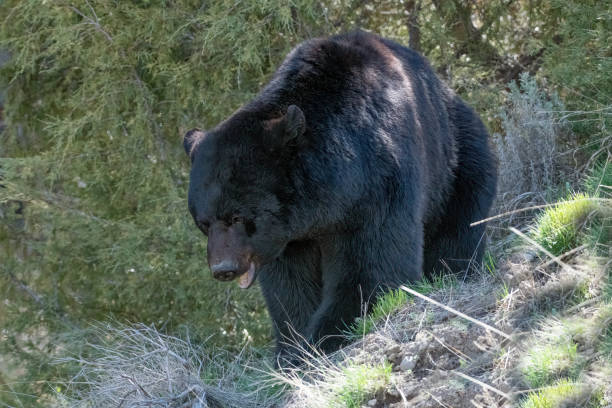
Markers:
{"x": 355, "y": 170}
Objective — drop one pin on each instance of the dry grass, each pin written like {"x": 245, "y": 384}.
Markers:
{"x": 453, "y": 360}
{"x": 140, "y": 367}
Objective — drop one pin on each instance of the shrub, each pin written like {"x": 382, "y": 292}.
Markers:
{"x": 531, "y": 141}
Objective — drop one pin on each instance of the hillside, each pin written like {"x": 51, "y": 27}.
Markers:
{"x": 529, "y": 330}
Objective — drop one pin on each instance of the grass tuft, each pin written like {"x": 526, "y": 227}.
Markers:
{"x": 325, "y": 382}
{"x": 604, "y": 324}
{"x": 599, "y": 180}
{"x": 358, "y": 382}
{"x": 558, "y": 228}
{"x": 561, "y": 394}
{"x": 140, "y": 366}
{"x": 393, "y": 300}
{"x": 543, "y": 364}
{"x": 385, "y": 305}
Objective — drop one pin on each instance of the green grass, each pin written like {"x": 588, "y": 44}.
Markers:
{"x": 558, "y": 228}
{"x": 543, "y": 364}
{"x": 599, "y": 181}
{"x": 489, "y": 263}
{"x": 604, "y": 321}
{"x": 393, "y": 300}
{"x": 359, "y": 382}
{"x": 385, "y": 305}
{"x": 563, "y": 390}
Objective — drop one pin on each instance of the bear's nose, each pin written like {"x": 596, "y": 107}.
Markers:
{"x": 224, "y": 270}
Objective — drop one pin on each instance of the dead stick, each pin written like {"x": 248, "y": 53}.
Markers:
{"x": 456, "y": 312}
{"x": 541, "y": 248}
{"x": 483, "y": 385}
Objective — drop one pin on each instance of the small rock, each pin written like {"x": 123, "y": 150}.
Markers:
{"x": 372, "y": 402}
{"x": 530, "y": 256}
{"x": 392, "y": 357}
{"x": 422, "y": 337}
{"x": 407, "y": 363}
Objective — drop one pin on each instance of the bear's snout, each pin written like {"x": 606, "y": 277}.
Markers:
{"x": 229, "y": 256}
{"x": 225, "y": 270}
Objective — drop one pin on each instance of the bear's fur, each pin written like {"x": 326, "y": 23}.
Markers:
{"x": 355, "y": 170}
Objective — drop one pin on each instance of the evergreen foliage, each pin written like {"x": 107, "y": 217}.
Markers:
{"x": 578, "y": 62}
{"x": 94, "y": 220}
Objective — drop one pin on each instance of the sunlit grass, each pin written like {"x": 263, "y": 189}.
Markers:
{"x": 393, "y": 300}
{"x": 552, "y": 397}
{"x": 544, "y": 363}
{"x": 358, "y": 382}
{"x": 385, "y": 305}
{"x": 558, "y": 228}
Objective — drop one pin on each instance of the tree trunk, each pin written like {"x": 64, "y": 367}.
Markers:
{"x": 413, "y": 7}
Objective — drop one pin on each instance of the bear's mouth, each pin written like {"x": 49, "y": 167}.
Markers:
{"x": 246, "y": 279}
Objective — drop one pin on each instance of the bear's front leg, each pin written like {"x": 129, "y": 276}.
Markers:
{"x": 342, "y": 302}
{"x": 347, "y": 285}
{"x": 291, "y": 286}
{"x": 356, "y": 268}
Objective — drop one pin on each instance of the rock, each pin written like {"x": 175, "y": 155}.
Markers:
{"x": 372, "y": 402}
{"x": 422, "y": 337}
{"x": 408, "y": 363}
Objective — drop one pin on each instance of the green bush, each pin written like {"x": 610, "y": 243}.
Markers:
{"x": 578, "y": 62}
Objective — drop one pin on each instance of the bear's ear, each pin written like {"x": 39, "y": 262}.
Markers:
{"x": 190, "y": 138}
{"x": 294, "y": 123}
{"x": 284, "y": 130}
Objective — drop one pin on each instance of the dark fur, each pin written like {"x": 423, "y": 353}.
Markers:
{"x": 381, "y": 183}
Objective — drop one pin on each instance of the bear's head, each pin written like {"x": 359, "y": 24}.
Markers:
{"x": 240, "y": 189}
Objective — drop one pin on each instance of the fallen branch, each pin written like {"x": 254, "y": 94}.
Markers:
{"x": 454, "y": 311}
{"x": 483, "y": 385}
{"x": 544, "y": 250}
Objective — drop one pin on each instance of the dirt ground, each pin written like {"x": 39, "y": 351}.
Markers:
{"x": 440, "y": 359}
